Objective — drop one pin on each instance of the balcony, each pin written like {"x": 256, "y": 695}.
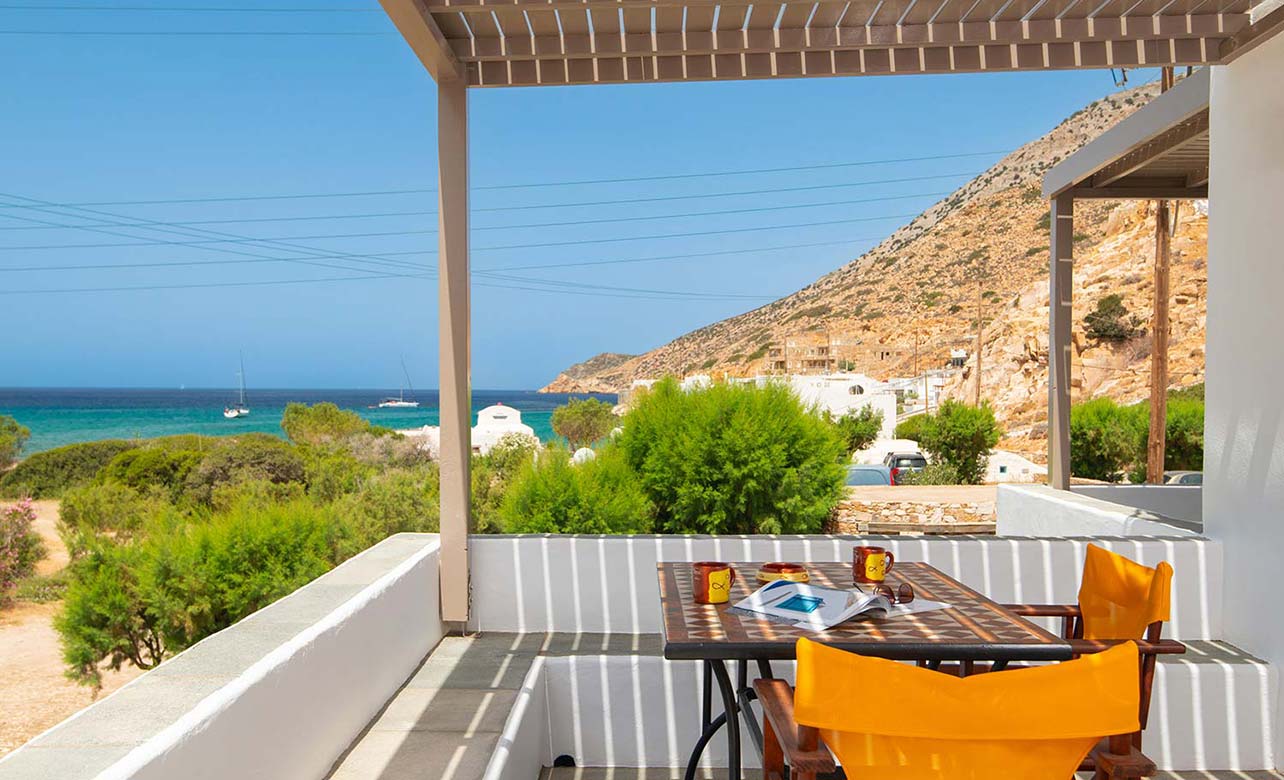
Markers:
{"x": 355, "y": 676}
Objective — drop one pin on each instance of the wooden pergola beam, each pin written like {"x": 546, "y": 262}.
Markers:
{"x": 664, "y": 44}
{"x": 414, "y": 21}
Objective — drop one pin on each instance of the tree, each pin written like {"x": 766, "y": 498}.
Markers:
{"x": 583, "y": 421}
{"x": 599, "y": 496}
{"x": 13, "y": 436}
{"x": 860, "y": 428}
{"x": 1110, "y": 321}
{"x": 733, "y": 458}
{"x": 912, "y": 428}
{"x": 322, "y": 423}
{"x": 20, "y": 546}
{"x": 961, "y": 436}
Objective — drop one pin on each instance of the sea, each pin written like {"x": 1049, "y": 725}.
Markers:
{"x": 58, "y": 416}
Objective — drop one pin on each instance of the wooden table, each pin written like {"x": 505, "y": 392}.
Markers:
{"x": 974, "y": 628}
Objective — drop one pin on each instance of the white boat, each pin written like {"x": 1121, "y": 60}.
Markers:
{"x": 240, "y": 408}
{"x": 401, "y": 402}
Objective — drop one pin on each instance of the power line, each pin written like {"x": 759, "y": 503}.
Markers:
{"x": 379, "y": 234}
{"x": 197, "y": 33}
{"x": 658, "y": 258}
{"x": 385, "y": 214}
{"x": 372, "y": 193}
{"x": 195, "y": 9}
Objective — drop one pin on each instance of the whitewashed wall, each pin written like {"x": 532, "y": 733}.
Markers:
{"x": 1038, "y": 510}
{"x": 597, "y": 584}
{"x": 1178, "y": 502}
{"x": 1244, "y": 413}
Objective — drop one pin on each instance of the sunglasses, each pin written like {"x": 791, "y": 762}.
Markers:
{"x": 903, "y": 594}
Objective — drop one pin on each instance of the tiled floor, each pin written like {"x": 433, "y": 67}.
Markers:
{"x": 447, "y": 718}
{"x": 676, "y": 774}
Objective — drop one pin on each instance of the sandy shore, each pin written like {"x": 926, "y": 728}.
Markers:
{"x": 34, "y": 693}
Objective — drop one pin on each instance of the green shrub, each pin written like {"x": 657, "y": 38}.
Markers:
{"x": 1103, "y": 439}
{"x": 1110, "y": 321}
{"x": 322, "y": 423}
{"x": 1183, "y": 436}
{"x": 20, "y": 547}
{"x": 492, "y": 474}
{"x": 932, "y": 474}
{"x": 247, "y": 458}
{"x": 106, "y": 617}
{"x": 47, "y": 474}
{"x": 331, "y": 473}
{"x": 599, "y": 496}
{"x": 859, "y": 428}
{"x": 13, "y": 436}
{"x": 912, "y": 427}
{"x": 90, "y": 513}
{"x": 255, "y": 492}
{"x": 961, "y": 436}
{"x": 733, "y": 458}
{"x": 583, "y": 421}
{"x": 152, "y": 468}
{"x": 396, "y": 501}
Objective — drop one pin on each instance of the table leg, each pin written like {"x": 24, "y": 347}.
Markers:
{"x": 730, "y": 708}
{"x": 706, "y": 703}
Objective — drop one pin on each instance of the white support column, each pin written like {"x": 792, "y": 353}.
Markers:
{"x": 1060, "y": 315}
{"x": 454, "y": 345}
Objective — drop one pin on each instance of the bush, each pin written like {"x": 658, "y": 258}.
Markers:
{"x": 599, "y": 496}
{"x": 322, "y": 423}
{"x": 492, "y": 474}
{"x": 331, "y": 473}
{"x": 932, "y": 474}
{"x": 13, "y": 436}
{"x": 1103, "y": 440}
{"x": 142, "y": 600}
{"x": 152, "y": 468}
{"x": 244, "y": 459}
{"x": 91, "y": 513}
{"x": 105, "y": 616}
{"x": 860, "y": 428}
{"x": 20, "y": 547}
{"x": 397, "y": 501}
{"x": 1183, "y": 436}
{"x": 583, "y": 421}
{"x": 733, "y": 458}
{"x": 912, "y": 427}
{"x": 961, "y": 436}
{"x": 1110, "y": 321}
{"x": 48, "y": 474}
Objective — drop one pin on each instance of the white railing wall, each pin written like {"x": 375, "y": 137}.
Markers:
{"x": 1039, "y": 510}
{"x": 605, "y": 584}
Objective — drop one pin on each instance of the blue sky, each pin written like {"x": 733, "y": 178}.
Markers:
{"x": 92, "y": 118}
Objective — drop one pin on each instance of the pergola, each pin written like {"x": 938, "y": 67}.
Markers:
{"x": 486, "y": 43}
{"x": 1159, "y": 152}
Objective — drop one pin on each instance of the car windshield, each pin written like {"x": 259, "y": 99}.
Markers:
{"x": 910, "y": 462}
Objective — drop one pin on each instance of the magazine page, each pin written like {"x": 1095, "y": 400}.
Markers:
{"x": 817, "y": 608}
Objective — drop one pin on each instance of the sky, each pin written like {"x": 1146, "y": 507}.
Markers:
{"x": 308, "y": 162}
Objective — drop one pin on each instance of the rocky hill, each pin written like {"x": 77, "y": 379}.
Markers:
{"x": 982, "y": 249}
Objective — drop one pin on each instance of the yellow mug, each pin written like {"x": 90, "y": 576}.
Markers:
{"x": 712, "y": 581}
{"x": 871, "y": 564}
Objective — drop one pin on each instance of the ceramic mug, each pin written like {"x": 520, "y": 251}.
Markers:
{"x": 711, "y": 581}
{"x": 871, "y": 564}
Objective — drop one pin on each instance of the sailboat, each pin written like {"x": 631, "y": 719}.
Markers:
{"x": 238, "y": 409}
{"x": 401, "y": 402}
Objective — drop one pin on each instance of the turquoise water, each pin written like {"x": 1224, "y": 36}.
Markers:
{"x": 58, "y": 416}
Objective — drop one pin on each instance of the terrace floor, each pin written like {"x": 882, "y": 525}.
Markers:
{"x": 447, "y": 719}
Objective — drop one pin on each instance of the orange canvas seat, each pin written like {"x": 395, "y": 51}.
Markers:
{"x": 894, "y": 721}
{"x": 1120, "y": 598}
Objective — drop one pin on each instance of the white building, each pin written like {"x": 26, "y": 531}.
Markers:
{"x": 496, "y": 422}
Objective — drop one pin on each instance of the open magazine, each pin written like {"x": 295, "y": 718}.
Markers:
{"x": 816, "y": 608}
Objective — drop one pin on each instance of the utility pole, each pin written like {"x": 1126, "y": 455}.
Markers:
{"x": 980, "y": 274}
{"x": 1156, "y": 442}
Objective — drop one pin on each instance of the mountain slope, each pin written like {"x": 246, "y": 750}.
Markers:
{"x": 983, "y": 247}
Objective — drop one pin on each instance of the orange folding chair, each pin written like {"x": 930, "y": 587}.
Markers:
{"x": 891, "y": 721}
{"x": 1119, "y": 599}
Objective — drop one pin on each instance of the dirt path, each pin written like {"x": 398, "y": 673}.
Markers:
{"x": 34, "y": 694}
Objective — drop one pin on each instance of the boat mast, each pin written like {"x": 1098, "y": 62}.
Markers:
{"x": 242, "y": 377}
{"x": 406, "y": 371}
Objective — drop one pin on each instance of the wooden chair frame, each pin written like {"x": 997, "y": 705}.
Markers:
{"x": 786, "y": 743}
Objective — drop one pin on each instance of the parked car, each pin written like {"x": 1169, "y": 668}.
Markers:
{"x": 901, "y": 462}
{"x": 862, "y": 474}
{"x": 1183, "y": 477}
